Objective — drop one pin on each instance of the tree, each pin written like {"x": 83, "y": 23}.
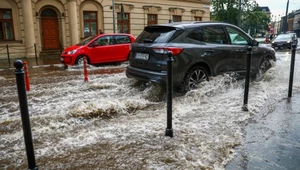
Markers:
{"x": 252, "y": 18}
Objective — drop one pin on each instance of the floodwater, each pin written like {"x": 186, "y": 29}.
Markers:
{"x": 112, "y": 122}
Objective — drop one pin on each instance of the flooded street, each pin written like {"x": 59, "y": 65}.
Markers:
{"x": 112, "y": 122}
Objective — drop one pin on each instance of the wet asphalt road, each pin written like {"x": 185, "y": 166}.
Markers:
{"x": 272, "y": 141}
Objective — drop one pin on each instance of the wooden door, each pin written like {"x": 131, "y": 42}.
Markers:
{"x": 50, "y": 33}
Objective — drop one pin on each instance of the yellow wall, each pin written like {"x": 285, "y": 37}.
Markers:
{"x": 70, "y": 18}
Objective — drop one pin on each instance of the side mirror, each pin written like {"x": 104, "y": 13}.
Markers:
{"x": 254, "y": 43}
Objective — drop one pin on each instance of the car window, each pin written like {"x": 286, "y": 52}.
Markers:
{"x": 105, "y": 40}
{"x": 85, "y": 41}
{"x": 214, "y": 34}
{"x": 196, "y": 34}
{"x": 122, "y": 39}
{"x": 158, "y": 34}
{"x": 284, "y": 37}
{"x": 237, "y": 37}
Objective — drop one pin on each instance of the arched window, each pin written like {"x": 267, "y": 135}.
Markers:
{"x": 48, "y": 13}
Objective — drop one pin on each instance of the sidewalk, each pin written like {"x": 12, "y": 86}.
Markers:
{"x": 32, "y": 62}
{"x": 272, "y": 141}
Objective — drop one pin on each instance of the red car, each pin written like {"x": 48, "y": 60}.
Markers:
{"x": 102, "y": 48}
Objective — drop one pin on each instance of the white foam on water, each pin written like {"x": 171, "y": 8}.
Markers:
{"x": 206, "y": 121}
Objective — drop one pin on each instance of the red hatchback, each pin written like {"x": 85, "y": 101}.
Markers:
{"x": 102, "y": 48}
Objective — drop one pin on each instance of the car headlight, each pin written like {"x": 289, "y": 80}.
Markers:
{"x": 72, "y": 52}
{"x": 288, "y": 41}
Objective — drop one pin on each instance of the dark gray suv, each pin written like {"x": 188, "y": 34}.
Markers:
{"x": 200, "y": 50}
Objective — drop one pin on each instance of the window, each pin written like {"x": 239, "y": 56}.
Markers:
{"x": 6, "y": 25}
{"x": 215, "y": 35}
{"x": 197, "y": 34}
{"x": 123, "y": 23}
{"x": 237, "y": 37}
{"x": 197, "y": 18}
{"x": 106, "y": 40}
{"x": 90, "y": 25}
{"x": 122, "y": 39}
{"x": 176, "y": 18}
{"x": 151, "y": 19}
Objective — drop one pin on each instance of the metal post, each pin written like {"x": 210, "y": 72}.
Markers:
{"x": 292, "y": 70}
{"x": 114, "y": 17}
{"x": 8, "y": 56}
{"x": 36, "y": 59}
{"x": 247, "y": 80}
{"x": 19, "y": 72}
{"x": 240, "y": 13}
{"x": 169, "y": 130}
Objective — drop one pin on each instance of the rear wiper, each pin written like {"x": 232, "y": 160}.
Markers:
{"x": 147, "y": 41}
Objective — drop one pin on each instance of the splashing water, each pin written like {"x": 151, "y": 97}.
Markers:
{"x": 112, "y": 122}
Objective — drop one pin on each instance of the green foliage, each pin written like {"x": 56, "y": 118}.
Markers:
{"x": 251, "y": 18}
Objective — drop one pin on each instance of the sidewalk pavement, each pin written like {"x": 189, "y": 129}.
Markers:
{"x": 31, "y": 62}
{"x": 272, "y": 141}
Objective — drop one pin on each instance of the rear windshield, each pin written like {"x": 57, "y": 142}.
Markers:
{"x": 158, "y": 34}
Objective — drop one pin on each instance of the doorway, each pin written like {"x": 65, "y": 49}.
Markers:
{"x": 50, "y": 29}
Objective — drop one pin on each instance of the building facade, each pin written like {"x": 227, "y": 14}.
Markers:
{"x": 28, "y": 27}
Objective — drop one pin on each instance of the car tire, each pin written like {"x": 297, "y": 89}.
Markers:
{"x": 193, "y": 78}
{"x": 79, "y": 61}
{"x": 264, "y": 66}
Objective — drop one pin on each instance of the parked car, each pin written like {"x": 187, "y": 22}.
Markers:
{"x": 102, "y": 48}
{"x": 285, "y": 41}
{"x": 200, "y": 50}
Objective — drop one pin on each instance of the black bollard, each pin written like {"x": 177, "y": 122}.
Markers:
{"x": 8, "y": 58}
{"x": 24, "y": 114}
{"x": 247, "y": 80}
{"x": 292, "y": 70}
{"x": 169, "y": 130}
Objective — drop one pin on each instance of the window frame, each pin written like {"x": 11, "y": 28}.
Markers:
{"x": 117, "y": 37}
{"x": 225, "y": 38}
{"x": 176, "y": 17}
{"x": 122, "y": 22}
{"x": 152, "y": 22}
{"x": 89, "y": 21}
{"x": 3, "y": 29}
{"x": 245, "y": 36}
{"x": 197, "y": 18}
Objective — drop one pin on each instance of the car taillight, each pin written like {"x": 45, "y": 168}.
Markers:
{"x": 165, "y": 50}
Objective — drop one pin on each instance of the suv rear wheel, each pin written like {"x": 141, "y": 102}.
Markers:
{"x": 193, "y": 78}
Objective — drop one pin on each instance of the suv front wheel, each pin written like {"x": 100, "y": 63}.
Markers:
{"x": 193, "y": 78}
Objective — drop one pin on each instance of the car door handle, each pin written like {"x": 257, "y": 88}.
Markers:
{"x": 240, "y": 51}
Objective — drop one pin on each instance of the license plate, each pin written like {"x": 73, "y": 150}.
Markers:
{"x": 142, "y": 56}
